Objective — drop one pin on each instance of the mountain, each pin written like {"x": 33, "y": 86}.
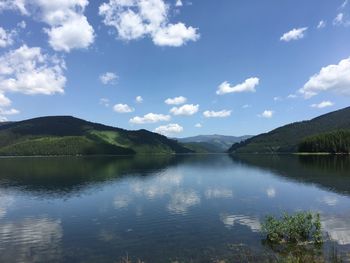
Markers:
{"x": 66, "y": 135}
{"x": 286, "y": 139}
{"x": 211, "y": 143}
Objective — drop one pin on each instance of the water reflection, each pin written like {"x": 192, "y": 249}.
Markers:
{"x": 160, "y": 208}
{"x": 31, "y": 240}
{"x": 329, "y": 172}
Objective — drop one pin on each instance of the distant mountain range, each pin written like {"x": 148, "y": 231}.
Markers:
{"x": 211, "y": 143}
{"x": 287, "y": 139}
{"x": 66, "y": 135}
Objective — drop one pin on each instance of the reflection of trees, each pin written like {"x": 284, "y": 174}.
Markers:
{"x": 330, "y": 172}
{"x": 69, "y": 175}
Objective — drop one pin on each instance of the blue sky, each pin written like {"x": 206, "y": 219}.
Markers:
{"x": 227, "y": 67}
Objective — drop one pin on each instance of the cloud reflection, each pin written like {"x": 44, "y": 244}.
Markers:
{"x": 31, "y": 240}
{"x": 338, "y": 229}
{"x": 217, "y": 193}
{"x": 252, "y": 222}
{"x": 181, "y": 201}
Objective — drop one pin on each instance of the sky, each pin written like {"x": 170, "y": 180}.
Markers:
{"x": 176, "y": 67}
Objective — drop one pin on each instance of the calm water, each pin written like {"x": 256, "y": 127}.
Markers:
{"x": 163, "y": 209}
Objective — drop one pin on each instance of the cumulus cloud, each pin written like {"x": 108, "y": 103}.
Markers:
{"x": 27, "y": 70}
{"x": 169, "y": 129}
{"x": 266, "y": 114}
{"x": 108, "y": 78}
{"x": 68, "y": 26}
{"x": 123, "y": 108}
{"x": 334, "y": 78}
{"x": 176, "y": 101}
{"x": 150, "y": 118}
{"x": 217, "y": 114}
{"x": 4, "y": 101}
{"x": 19, "y": 5}
{"x": 294, "y": 34}
{"x": 6, "y": 37}
{"x": 323, "y": 104}
{"x": 139, "y": 99}
{"x": 248, "y": 85}
{"x": 175, "y": 35}
{"x": 9, "y": 112}
{"x": 198, "y": 125}
{"x": 134, "y": 19}
{"x": 22, "y": 24}
{"x": 187, "y": 109}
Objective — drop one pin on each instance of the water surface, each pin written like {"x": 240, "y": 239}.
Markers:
{"x": 195, "y": 208}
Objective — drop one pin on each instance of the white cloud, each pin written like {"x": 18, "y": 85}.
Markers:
{"x": 9, "y": 112}
{"x": 108, "y": 78}
{"x": 178, "y": 3}
{"x": 321, "y": 24}
{"x": 104, "y": 102}
{"x": 68, "y": 26}
{"x": 266, "y": 114}
{"x": 22, "y": 24}
{"x": 246, "y": 106}
{"x": 75, "y": 33}
{"x": 198, "y": 125}
{"x": 176, "y": 101}
{"x": 150, "y": 118}
{"x": 247, "y": 86}
{"x": 169, "y": 129}
{"x": 277, "y": 99}
{"x": 323, "y": 104}
{"x": 6, "y": 37}
{"x": 187, "y": 109}
{"x": 3, "y": 119}
{"x": 175, "y": 35}
{"x": 14, "y": 5}
{"x": 134, "y": 19}
{"x": 4, "y": 101}
{"x": 139, "y": 99}
{"x": 27, "y": 70}
{"x": 292, "y": 96}
{"x": 335, "y": 78}
{"x": 294, "y": 34}
{"x": 340, "y": 20}
{"x": 123, "y": 108}
{"x": 217, "y": 114}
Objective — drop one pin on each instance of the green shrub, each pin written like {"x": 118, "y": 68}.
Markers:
{"x": 298, "y": 228}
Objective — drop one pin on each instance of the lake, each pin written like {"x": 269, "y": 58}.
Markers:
{"x": 185, "y": 208}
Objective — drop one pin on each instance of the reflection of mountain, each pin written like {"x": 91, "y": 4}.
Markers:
{"x": 63, "y": 176}
{"x": 330, "y": 172}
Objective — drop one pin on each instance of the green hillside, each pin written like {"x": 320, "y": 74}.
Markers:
{"x": 65, "y": 135}
{"x": 332, "y": 142}
{"x": 286, "y": 139}
{"x": 211, "y": 143}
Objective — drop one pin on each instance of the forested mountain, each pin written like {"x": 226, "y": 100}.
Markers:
{"x": 211, "y": 143}
{"x": 287, "y": 139}
{"x": 332, "y": 142}
{"x": 66, "y": 135}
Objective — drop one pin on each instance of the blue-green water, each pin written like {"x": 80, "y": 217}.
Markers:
{"x": 199, "y": 208}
